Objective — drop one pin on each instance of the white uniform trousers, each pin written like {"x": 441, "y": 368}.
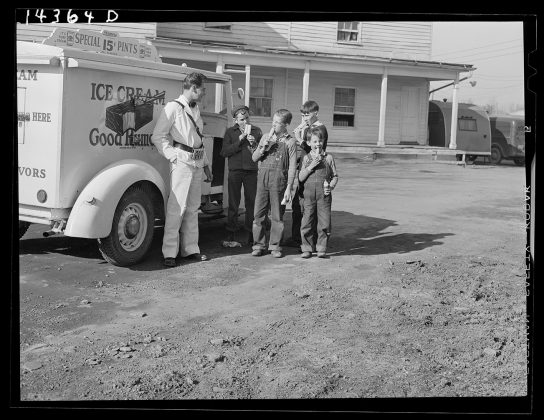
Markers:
{"x": 182, "y": 211}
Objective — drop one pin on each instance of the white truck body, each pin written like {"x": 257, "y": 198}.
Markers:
{"x": 84, "y": 133}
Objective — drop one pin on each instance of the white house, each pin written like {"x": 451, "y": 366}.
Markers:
{"x": 370, "y": 79}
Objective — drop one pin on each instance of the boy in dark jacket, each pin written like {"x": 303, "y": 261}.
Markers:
{"x": 239, "y": 143}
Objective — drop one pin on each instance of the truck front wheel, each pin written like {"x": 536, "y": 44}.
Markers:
{"x": 132, "y": 229}
{"x": 496, "y": 155}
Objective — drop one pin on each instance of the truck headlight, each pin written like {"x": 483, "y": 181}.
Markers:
{"x": 42, "y": 196}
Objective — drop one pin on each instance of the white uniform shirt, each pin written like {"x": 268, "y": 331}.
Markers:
{"x": 175, "y": 125}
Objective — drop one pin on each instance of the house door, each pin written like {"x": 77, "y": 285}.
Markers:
{"x": 436, "y": 125}
{"x": 409, "y": 118}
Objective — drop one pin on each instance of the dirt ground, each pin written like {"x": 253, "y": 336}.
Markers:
{"x": 423, "y": 296}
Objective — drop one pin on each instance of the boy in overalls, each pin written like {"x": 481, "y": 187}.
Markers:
{"x": 277, "y": 157}
{"x": 309, "y": 112}
{"x": 318, "y": 173}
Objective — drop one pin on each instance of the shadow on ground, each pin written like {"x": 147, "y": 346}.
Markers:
{"x": 362, "y": 235}
{"x": 351, "y": 235}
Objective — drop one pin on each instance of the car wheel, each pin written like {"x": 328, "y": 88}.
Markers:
{"x": 23, "y": 227}
{"x": 132, "y": 229}
{"x": 519, "y": 161}
{"x": 496, "y": 155}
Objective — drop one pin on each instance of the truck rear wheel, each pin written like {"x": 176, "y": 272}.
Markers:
{"x": 23, "y": 227}
{"x": 496, "y": 155}
{"x": 132, "y": 229}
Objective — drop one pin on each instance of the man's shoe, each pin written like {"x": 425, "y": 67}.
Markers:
{"x": 322, "y": 255}
{"x": 257, "y": 252}
{"x": 197, "y": 257}
{"x": 169, "y": 262}
{"x": 277, "y": 254}
{"x": 306, "y": 254}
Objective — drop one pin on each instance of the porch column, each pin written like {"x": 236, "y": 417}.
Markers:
{"x": 454, "y": 108}
{"x": 219, "y": 86}
{"x": 383, "y": 100}
{"x": 248, "y": 85}
{"x": 306, "y": 81}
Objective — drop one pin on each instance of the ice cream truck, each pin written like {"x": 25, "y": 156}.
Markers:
{"x": 87, "y": 104}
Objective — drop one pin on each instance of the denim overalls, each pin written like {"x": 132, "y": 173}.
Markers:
{"x": 316, "y": 205}
{"x": 271, "y": 184}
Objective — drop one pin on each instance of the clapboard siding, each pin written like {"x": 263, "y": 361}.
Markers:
{"x": 273, "y": 34}
{"x": 378, "y": 38}
{"x": 38, "y": 32}
{"x": 367, "y": 105}
{"x": 367, "y": 100}
{"x": 409, "y": 39}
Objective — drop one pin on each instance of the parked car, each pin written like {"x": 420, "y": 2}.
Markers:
{"x": 507, "y": 138}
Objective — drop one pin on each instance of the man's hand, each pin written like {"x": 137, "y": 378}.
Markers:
{"x": 287, "y": 195}
{"x": 251, "y": 140}
{"x": 315, "y": 161}
{"x": 209, "y": 176}
{"x": 298, "y": 132}
{"x": 266, "y": 141}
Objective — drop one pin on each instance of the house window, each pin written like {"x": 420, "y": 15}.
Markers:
{"x": 344, "y": 107}
{"x": 260, "y": 97}
{"x": 467, "y": 124}
{"x": 348, "y": 32}
{"x": 234, "y": 68}
{"x": 222, "y": 26}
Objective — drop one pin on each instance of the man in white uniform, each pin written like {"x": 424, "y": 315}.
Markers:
{"x": 178, "y": 137}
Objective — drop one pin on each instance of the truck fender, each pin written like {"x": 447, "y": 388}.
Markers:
{"x": 93, "y": 211}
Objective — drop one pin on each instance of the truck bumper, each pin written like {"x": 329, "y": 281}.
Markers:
{"x": 514, "y": 151}
{"x": 41, "y": 215}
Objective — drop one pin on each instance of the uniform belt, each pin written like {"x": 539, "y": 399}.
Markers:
{"x": 187, "y": 148}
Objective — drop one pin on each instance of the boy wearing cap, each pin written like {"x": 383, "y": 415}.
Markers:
{"x": 277, "y": 157}
{"x": 239, "y": 143}
{"x": 309, "y": 112}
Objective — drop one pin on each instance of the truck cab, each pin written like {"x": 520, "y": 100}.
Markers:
{"x": 87, "y": 105}
{"x": 507, "y": 138}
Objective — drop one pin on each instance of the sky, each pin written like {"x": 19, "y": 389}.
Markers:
{"x": 495, "y": 49}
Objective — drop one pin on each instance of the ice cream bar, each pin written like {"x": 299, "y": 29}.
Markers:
{"x": 247, "y": 130}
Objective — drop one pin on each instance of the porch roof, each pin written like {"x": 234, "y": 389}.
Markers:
{"x": 445, "y": 69}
